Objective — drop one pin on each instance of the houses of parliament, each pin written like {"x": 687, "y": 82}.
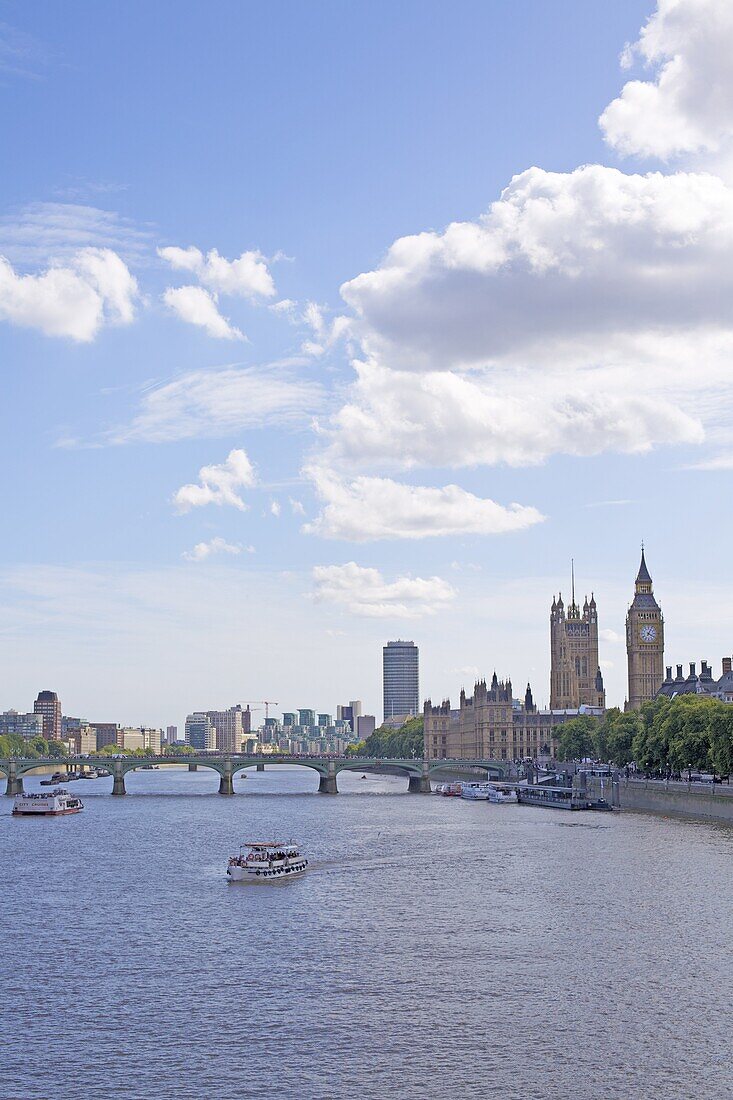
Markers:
{"x": 492, "y": 723}
{"x": 575, "y": 673}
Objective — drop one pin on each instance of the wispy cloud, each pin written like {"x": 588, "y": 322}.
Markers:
{"x": 220, "y": 402}
{"x": 218, "y": 545}
{"x": 365, "y": 592}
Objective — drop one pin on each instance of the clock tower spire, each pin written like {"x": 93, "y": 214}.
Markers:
{"x": 644, "y": 641}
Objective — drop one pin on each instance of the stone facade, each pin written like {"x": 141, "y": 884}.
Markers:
{"x": 491, "y": 725}
{"x": 644, "y": 642}
{"x": 575, "y": 674}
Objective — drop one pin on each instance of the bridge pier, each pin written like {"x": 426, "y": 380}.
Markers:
{"x": 14, "y": 784}
{"x": 420, "y": 784}
{"x": 193, "y": 767}
{"x": 118, "y": 779}
{"x": 260, "y": 765}
{"x": 327, "y": 783}
{"x": 226, "y": 786}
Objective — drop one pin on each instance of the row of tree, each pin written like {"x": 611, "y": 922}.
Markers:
{"x": 689, "y": 732}
{"x": 12, "y": 744}
{"x": 403, "y": 743}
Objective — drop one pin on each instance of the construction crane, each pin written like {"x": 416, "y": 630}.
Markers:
{"x": 267, "y": 704}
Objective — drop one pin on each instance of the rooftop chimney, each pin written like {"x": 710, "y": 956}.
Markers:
{"x": 726, "y": 665}
{"x": 679, "y": 672}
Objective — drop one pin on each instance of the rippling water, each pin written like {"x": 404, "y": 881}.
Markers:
{"x": 436, "y": 948}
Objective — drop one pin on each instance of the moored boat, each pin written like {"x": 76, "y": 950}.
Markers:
{"x": 475, "y": 792}
{"x": 501, "y": 793}
{"x": 266, "y": 861}
{"x": 54, "y": 804}
{"x": 553, "y": 798}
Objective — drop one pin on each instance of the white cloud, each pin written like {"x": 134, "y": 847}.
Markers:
{"x": 324, "y": 333}
{"x": 688, "y": 105}
{"x": 567, "y": 320}
{"x": 369, "y": 508}
{"x": 76, "y": 299}
{"x": 218, "y": 545}
{"x": 400, "y": 420}
{"x": 248, "y": 276}
{"x": 296, "y": 507}
{"x": 198, "y": 307}
{"x": 586, "y": 268}
{"x": 610, "y": 636}
{"x": 275, "y": 508}
{"x": 57, "y": 231}
{"x": 365, "y": 592}
{"x": 220, "y": 403}
{"x": 219, "y": 484}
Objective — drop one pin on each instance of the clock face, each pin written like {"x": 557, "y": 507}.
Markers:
{"x": 648, "y": 633}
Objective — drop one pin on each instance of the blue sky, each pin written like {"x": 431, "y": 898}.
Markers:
{"x": 398, "y": 439}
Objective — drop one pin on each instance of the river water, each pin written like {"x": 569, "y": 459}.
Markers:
{"x": 436, "y": 948}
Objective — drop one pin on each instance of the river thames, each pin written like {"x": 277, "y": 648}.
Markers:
{"x": 436, "y": 948}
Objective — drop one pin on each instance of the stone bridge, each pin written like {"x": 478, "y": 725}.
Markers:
{"x": 227, "y": 766}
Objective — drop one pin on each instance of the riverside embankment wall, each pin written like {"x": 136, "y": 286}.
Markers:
{"x": 679, "y": 799}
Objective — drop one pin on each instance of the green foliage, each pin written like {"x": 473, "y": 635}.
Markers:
{"x": 12, "y": 744}
{"x": 690, "y": 732}
{"x": 620, "y": 731}
{"x": 577, "y": 738}
{"x": 405, "y": 742}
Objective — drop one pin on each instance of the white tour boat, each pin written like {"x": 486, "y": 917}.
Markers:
{"x": 51, "y": 804}
{"x": 269, "y": 861}
{"x": 502, "y": 794}
{"x": 474, "y": 792}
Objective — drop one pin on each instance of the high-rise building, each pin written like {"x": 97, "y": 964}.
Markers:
{"x": 290, "y": 718}
{"x": 306, "y": 717}
{"x": 21, "y": 725}
{"x": 47, "y": 704}
{"x": 171, "y": 734}
{"x": 644, "y": 641}
{"x": 108, "y": 733}
{"x": 400, "y": 678}
{"x": 365, "y": 726}
{"x": 229, "y": 728}
{"x": 200, "y": 732}
{"x": 325, "y": 720}
{"x": 575, "y": 674}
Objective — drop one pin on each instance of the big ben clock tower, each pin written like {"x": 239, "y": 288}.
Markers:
{"x": 644, "y": 641}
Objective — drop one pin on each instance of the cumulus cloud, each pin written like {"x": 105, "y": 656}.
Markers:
{"x": 220, "y": 403}
{"x": 275, "y": 508}
{"x": 218, "y": 545}
{"x": 219, "y": 484}
{"x": 399, "y": 420}
{"x": 369, "y": 508}
{"x": 74, "y": 299}
{"x": 564, "y": 267}
{"x": 196, "y": 306}
{"x": 688, "y": 105}
{"x": 365, "y": 592}
{"x": 564, "y": 320}
{"x": 247, "y": 277}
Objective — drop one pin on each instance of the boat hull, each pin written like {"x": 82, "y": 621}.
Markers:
{"x": 243, "y": 874}
{"x": 47, "y": 813}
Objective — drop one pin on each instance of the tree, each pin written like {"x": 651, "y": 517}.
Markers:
{"x": 622, "y": 729}
{"x": 721, "y": 741}
{"x": 577, "y": 738}
{"x": 687, "y": 729}
{"x": 403, "y": 743}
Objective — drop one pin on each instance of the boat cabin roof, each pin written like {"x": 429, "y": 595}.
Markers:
{"x": 265, "y": 844}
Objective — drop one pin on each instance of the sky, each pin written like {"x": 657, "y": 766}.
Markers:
{"x": 324, "y": 324}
